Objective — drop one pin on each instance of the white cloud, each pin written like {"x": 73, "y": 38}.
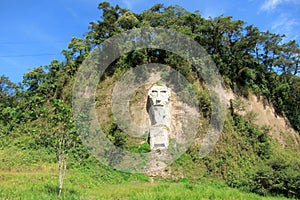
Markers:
{"x": 286, "y": 25}
{"x": 284, "y": 17}
{"x": 270, "y": 5}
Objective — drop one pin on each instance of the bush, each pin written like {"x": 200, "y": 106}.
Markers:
{"x": 144, "y": 148}
{"x": 278, "y": 177}
{"x": 257, "y": 138}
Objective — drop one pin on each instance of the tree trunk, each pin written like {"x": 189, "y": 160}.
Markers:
{"x": 62, "y": 164}
{"x": 63, "y": 159}
{"x": 61, "y": 177}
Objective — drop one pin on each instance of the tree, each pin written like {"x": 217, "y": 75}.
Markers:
{"x": 34, "y": 78}
{"x": 106, "y": 27}
{"x": 289, "y": 59}
{"x": 7, "y": 90}
{"x": 64, "y": 137}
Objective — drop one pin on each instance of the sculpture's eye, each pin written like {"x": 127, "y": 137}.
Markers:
{"x": 154, "y": 93}
{"x": 163, "y": 92}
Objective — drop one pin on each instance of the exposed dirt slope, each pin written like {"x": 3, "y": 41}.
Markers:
{"x": 264, "y": 115}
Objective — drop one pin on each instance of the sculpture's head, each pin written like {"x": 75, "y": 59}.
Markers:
{"x": 159, "y": 95}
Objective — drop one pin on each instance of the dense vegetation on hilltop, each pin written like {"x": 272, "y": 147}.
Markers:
{"x": 248, "y": 59}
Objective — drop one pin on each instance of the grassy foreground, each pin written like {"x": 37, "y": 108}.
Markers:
{"x": 31, "y": 174}
{"x": 86, "y": 185}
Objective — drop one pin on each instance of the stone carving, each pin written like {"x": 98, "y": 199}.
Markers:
{"x": 159, "y": 112}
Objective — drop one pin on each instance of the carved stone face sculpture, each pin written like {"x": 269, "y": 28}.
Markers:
{"x": 159, "y": 105}
{"x": 159, "y": 95}
{"x": 160, "y": 116}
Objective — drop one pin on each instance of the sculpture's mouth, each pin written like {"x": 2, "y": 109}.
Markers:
{"x": 159, "y": 145}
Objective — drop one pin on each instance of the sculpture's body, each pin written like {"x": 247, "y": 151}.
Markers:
{"x": 159, "y": 112}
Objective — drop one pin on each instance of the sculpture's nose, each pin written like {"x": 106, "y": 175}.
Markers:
{"x": 158, "y": 99}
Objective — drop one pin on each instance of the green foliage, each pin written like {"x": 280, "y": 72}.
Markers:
{"x": 257, "y": 139}
{"x": 138, "y": 148}
{"x": 236, "y": 105}
{"x": 278, "y": 176}
{"x": 204, "y": 102}
{"x": 247, "y": 58}
{"x": 7, "y": 91}
{"x": 144, "y": 148}
{"x": 250, "y": 116}
{"x": 115, "y": 135}
{"x": 36, "y": 115}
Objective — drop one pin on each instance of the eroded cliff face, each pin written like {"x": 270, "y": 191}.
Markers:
{"x": 177, "y": 124}
{"x": 264, "y": 115}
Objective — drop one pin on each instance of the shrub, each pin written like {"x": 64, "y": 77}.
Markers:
{"x": 278, "y": 176}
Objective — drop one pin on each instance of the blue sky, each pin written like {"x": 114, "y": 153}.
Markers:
{"x": 34, "y": 32}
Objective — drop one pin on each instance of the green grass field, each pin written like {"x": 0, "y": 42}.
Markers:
{"x": 33, "y": 174}
{"x": 87, "y": 185}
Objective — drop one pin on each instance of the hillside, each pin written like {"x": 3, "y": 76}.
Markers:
{"x": 80, "y": 128}
{"x": 264, "y": 115}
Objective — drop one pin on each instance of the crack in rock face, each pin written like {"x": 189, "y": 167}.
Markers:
{"x": 159, "y": 112}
